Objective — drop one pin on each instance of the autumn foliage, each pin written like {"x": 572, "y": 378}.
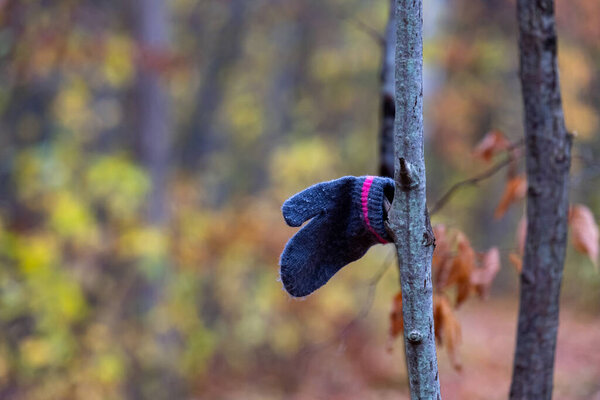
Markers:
{"x": 493, "y": 142}
{"x": 459, "y": 271}
{"x": 97, "y": 303}
{"x": 584, "y": 232}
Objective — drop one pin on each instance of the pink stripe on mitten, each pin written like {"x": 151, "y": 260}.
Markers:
{"x": 364, "y": 198}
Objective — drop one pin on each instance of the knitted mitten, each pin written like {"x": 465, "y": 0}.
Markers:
{"x": 347, "y": 219}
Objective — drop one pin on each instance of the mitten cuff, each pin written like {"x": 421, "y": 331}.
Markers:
{"x": 371, "y": 199}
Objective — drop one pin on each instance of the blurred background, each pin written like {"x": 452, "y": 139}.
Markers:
{"x": 146, "y": 148}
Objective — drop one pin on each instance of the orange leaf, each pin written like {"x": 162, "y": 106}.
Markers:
{"x": 462, "y": 265}
{"x": 442, "y": 257}
{"x": 447, "y": 328}
{"x": 492, "y": 143}
{"x": 517, "y": 261}
{"x": 514, "y": 191}
{"x": 584, "y": 231}
{"x": 482, "y": 277}
{"x": 396, "y": 319}
{"x": 442, "y": 245}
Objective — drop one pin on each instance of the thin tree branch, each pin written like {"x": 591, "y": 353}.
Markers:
{"x": 474, "y": 180}
{"x": 591, "y": 170}
{"x": 368, "y": 303}
{"x": 364, "y": 311}
{"x": 369, "y": 30}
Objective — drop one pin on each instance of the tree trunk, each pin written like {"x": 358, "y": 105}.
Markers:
{"x": 548, "y": 154}
{"x": 409, "y": 220}
{"x": 388, "y": 108}
{"x": 152, "y": 104}
{"x": 153, "y": 128}
{"x": 201, "y": 138}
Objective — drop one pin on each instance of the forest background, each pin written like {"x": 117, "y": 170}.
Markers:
{"x": 146, "y": 148}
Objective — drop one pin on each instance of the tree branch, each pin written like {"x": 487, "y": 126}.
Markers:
{"x": 367, "y": 304}
{"x": 369, "y": 30}
{"x": 472, "y": 181}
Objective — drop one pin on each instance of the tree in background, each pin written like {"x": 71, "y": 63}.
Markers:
{"x": 548, "y": 158}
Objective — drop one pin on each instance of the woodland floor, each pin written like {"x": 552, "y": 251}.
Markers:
{"x": 363, "y": 369}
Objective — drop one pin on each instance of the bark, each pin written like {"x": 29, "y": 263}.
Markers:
{"x": 409, "y": 221}
{"x": 293, "y": 39}
{"x": 152, "y": 105}
{"x": 153, "y": 128}
{"x": 388, "y": 108}
{"x": 548, "y": 154}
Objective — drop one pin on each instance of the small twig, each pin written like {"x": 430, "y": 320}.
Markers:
{"x": 584, "y": 154}
{"x": 373, "y": 282}
{"x": 370, "y": 31}
{"x": 364, "y": 311}
{"x": 515, "y": 145}
{"x": 591, "y": 166}
{"x": 475, "y": 179}
{"x": 590, "y": 172}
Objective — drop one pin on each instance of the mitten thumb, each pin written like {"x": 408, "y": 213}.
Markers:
{"x": 312, "y": 201}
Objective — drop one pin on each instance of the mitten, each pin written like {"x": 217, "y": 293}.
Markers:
{"x": 347, "y": 219}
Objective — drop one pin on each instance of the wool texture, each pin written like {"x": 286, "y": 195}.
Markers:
{"x": 346, "y": 216}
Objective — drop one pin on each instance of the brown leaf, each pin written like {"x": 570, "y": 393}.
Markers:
{"x": 584, "y": 231}
{"x": 396, "y": 319}
{"x": 460, "y": 271}
{"x": 492, "y": 143}
{"x": 482, "y": 277}
{"x": 447, "y": 328}
{"x": 517, "y": 261}
{"x": 442, "y": 257}
{"x": 514, "y": 191}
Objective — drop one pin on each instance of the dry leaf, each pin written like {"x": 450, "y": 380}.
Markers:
{"x": 492, "y": 143}
{"x": 442, "y": 245}
{"x": 460, "y": 271}
{"x": 396, "y": 319}
{"x": 482, "y": 277}
{"x": 584, "y": 231}
{"x": 514, "y": 191}
{"x": 447, "y": 328}
{"x": 517, "y": 261}
{"x": 442, "y": 257}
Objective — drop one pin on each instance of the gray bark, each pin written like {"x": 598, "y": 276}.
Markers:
{"x": 152, "y": 103}
{"x": 409, "y": 221}
{"x": 153, "y": 130}
{"x": 548, "y": 154}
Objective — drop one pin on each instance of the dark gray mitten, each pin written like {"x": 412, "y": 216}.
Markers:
{"x": 347, "y": 219}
